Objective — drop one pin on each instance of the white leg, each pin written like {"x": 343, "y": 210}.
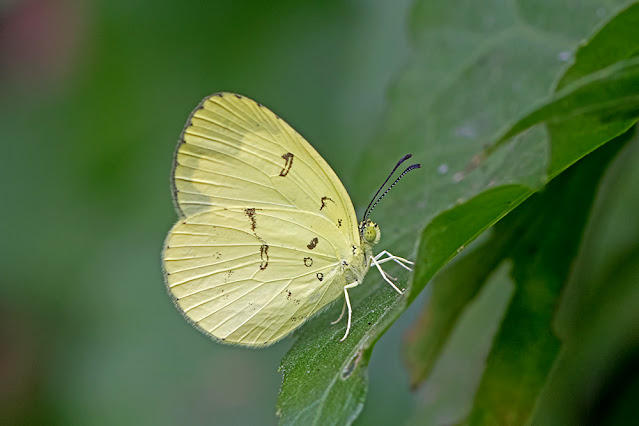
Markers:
{"x": 396, "y": 259}
{"x": 392, "y": 278}
{"x": 381, "y": 271}
{"x": 340, "y": 315}
{"x": 388, "y": 259}
{"x": 350, "y": 311}
{"x": 386, "y": 253}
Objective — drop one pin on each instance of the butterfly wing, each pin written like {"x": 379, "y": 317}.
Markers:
{"x": 243, "y": 276}
{"x": 235, "y": 152}
{"x": 265, "y": 224}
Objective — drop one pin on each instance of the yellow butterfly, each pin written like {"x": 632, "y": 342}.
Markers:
{"x": 267, "y": 234}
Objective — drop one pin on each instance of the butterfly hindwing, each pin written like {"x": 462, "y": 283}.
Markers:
{"x": 236, "y": 275}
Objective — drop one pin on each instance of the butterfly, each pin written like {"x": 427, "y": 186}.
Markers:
{"x": 267, "y": 235}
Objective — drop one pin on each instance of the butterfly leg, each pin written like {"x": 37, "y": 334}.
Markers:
{"x": 396, "y": 259}
{"x": 392, "y": 278}
{"x": 381, "y": 271}
{"x": 350, "y": 311}
{"x": 340, "y": 315}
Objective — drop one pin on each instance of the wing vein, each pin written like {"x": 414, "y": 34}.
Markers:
{"x": 260, "y": 284}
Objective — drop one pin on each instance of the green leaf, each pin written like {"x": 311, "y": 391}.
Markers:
{"x": 597, "y": 365}
{"x": 613, "y": 43}
{"x": 325, "y": 380}
{"x": 441, "y": 240}
{"x": 597, "y": 93}
{"x": 476, "y": 72}
{"x": 544, "y": 236}
{"x": 460, "y": 347}
{"x": 452, "y": 291}
{"x": 541, "y": 238}
{"x": 600, "y": 105}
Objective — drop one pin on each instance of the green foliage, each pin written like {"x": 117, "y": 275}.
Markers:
{"x": 512, "y": 107}
{"x": 492, "y": 105}
{"x": 541, "y": 237}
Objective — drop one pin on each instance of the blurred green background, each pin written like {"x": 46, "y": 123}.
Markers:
{"x": 93, "y": 96}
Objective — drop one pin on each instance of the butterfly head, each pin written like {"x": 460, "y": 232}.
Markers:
{"x": 370, "y": 232}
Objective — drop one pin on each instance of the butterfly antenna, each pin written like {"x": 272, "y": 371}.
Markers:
{"x": 408, "y": 169}
{"x": 404, "y": 158}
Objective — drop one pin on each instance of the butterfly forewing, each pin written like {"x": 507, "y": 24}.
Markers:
{"x": 237, "y": 153}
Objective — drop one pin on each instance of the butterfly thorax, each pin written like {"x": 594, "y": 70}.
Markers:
{"x": 356, "y": 269}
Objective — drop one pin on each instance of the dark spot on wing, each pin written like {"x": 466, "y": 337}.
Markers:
{"x": 251, "y": 215}
{"x": 339, "y": 223}
{"x": 238, "y": 96}
{"x": 308, "y": 261}
{"x": 312, "y": 244}
{"x": 324, "y": 200}
{"x": 354, "y": 249}
{"x": 288, "y": 296}
{"x": 264, "y": 256}
{"x": 287, "y": 165}
{"x": 320, "y": 276}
